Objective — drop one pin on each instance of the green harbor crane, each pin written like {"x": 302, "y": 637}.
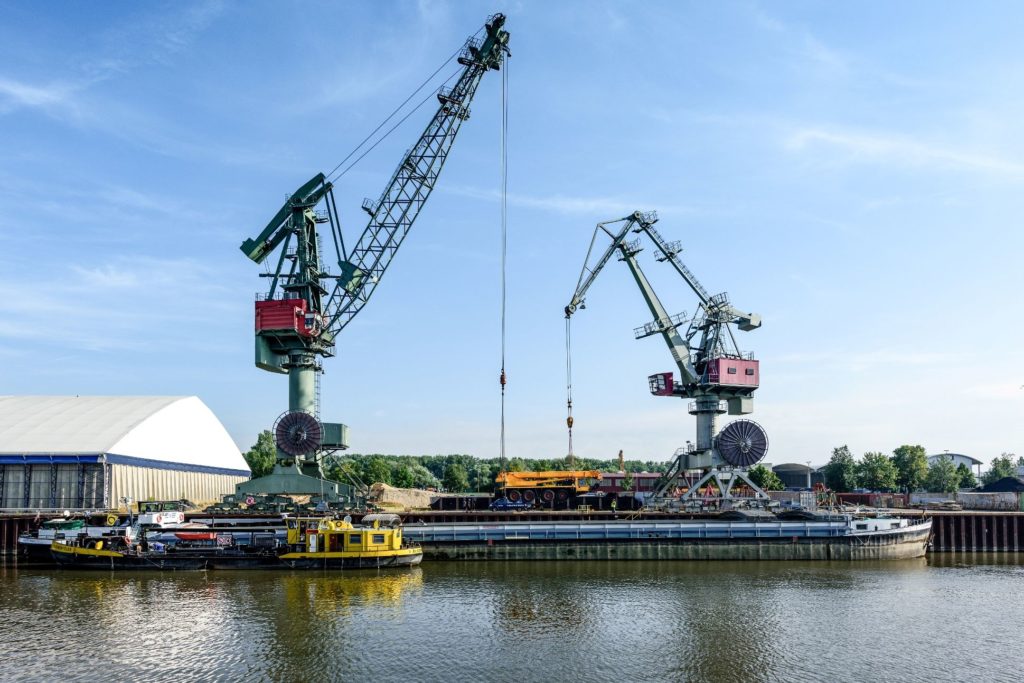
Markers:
{"x": 306, "y": 307}
{"x": 713, "y": 372}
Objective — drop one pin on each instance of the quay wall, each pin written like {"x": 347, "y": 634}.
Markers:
{"x": 973, "y": 531}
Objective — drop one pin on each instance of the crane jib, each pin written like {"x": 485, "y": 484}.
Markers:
{"x": 331, "y": 300}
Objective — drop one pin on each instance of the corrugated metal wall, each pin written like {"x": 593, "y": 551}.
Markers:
{"x": 72, "y": 486}
{"x": 96, "y": 486}
{"x": 144, "y": 483}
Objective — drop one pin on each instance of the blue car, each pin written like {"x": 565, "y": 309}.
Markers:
{"x": 506, "y": 504}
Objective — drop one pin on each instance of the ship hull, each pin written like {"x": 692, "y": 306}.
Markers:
{"x": 898, "y": 544}
{"x": 72, "y": 557}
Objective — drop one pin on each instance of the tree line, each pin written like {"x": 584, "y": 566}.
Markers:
{"x": 908, "y": 469}
{"x": 456, "y": 473}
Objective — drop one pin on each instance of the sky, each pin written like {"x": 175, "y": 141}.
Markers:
{"x": 853, "y": 172}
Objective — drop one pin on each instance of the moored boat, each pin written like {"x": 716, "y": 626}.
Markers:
{"x": 760, "y": 537}
{"x": 309, "y": 543}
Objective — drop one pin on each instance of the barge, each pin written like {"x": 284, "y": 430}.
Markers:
{"x": 813, "y": 538}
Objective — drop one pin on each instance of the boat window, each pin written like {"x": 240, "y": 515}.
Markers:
{"x": 378, "y": 538}
{"x": 732, "y": 371}
{"x": 862, "y": 526}
{"x": 750, "y": 371}
{"x": 354, "y": 539}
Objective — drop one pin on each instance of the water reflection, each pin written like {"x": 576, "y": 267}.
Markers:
{"x": 693, "y": 621}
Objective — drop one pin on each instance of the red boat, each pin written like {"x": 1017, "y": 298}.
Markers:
{"x": 196, "y": 535}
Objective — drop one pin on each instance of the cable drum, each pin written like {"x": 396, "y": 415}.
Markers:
{"x": 298, "y": 433}
{"x": 742, "y": 443}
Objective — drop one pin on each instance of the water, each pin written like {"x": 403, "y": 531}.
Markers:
{"x": 920, "y": 620}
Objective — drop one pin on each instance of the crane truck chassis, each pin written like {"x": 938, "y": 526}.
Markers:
{"x": 554, "y": 488}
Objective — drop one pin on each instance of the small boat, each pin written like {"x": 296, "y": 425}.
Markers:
{"x": 309, "y": 543}
{"x": 196, "y": 535}
{"x": 338, "y": 544}
{"x": 34, "y": 546}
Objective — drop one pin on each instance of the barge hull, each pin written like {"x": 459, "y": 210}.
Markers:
{"x": 900, "y": 545}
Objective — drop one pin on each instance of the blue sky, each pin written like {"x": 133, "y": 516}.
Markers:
{"x": 851, "y": 171}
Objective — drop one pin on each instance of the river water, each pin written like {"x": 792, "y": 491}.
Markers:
{"x": 945, "y": 619}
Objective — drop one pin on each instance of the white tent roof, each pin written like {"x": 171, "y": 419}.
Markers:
{"x": 174, "y": 429}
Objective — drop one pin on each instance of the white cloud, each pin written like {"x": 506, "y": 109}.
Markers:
{"x": 869, "y": 147}
{"x": 16, "y": 94}
{"x": 595, "y": 206}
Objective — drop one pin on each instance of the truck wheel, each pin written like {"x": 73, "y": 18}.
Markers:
{"x": 513, "y": 496}
{"x": 547, "y": 496}
{"x": 529, "y": 495}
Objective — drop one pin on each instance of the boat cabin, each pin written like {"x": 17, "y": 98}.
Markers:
{"x": 377, "y": 533}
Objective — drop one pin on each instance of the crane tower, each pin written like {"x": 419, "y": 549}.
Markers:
{"x": 312, "y": 297}
{"x": 713, "y": 373}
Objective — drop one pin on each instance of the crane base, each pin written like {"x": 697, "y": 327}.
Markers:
{"x": 287, "y": 481}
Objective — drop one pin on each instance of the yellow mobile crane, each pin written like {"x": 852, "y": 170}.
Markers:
{"x": 547, "y": 487}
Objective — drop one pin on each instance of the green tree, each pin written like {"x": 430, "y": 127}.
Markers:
{"x": 377, "y": 470}
{"x": 423, "y": 478}
{"x": 876, "y": 472}
{"x": 967, "y": 480}
{"x": 841, "y": 470}
{"x": 1002, "y": 466}
{"x": 627, "y": 482}
{"x": 404, "y": 478}
{"x": 263, "y": 454}
{"x": 942, "y": 476}
{"x": 455, "y": 478}
{"x": 765, "y": 478}
{"x": 911, "y": 467}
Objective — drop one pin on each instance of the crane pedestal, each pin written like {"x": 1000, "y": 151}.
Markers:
{"x": 725, "y": 480}
{"x": 289, "y": 480}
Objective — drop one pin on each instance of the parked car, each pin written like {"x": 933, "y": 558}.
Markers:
{"x": 506, "y": 504}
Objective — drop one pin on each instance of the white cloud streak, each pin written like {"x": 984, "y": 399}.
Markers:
{"x": 870, "y": 147}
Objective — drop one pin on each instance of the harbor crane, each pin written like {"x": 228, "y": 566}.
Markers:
{"x": 713, "y": 373}
{"x": 307, "y": 306}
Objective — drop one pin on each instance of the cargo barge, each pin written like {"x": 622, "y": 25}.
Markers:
{"x": 834, "y": 538}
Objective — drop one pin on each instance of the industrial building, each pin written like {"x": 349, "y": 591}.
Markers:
{"x": 91, "y": 452}
{"x": 796, "y": 475}
{"x": 958, "y": 459}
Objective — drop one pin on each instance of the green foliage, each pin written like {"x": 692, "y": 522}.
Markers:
{"x": 263, "y": 454}
{"x": 765, "y": 478}
{"x": 876, "y": 472}
{"x": 911, "y": 467}
{"x": 377, "y": 470}
{"x": 456, "y": 478}
{"x": 627, "y": 482}
{"x": 943, "y": 477}
{"x": 1002, "y": 466}
{"x": 403, "y": 477}
{"x": 841, "y": 470}
{"x": 967, "y": 479}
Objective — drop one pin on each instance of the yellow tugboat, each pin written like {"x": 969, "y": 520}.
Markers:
{"x": 337, "y": 544}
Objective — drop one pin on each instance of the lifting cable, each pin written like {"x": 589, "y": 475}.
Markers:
{"x": 332, "y": 178}
{"x": 568, "y": 386}
{"x": 504, "y": 246}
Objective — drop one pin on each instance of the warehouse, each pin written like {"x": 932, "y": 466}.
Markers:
{"x": 91, "y": 452}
